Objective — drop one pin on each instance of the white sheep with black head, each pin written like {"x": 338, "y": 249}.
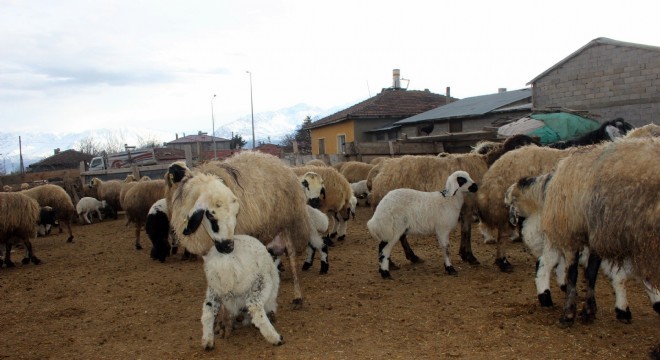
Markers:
{"x": 405, "y": 212}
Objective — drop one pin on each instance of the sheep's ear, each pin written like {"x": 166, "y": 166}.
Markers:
{"x": 526, "y": 182}
{"x": 176, "y": 173}
{"x": 193, "y": 222}
{"x": 461, "y": 181}
{"x": 305, "y": 184}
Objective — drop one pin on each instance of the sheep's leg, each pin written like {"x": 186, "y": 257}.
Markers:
{"x": 291, "y": 252}
{"x": 209, "y": 312}
{"x": 407, "y": 249}
{"x": 68, "y": 227}
{"x": 317, "y": 243}
{"x": 86, "y": 216}
{"x": 29, "y": 254}
{"x": 384, "y": 252}
{"x": 546, "y": 262}
{"x": 8, "y": 261}
{"x": 256, "y": 309}
{"x": 465, "y": 250}
{"x": 588, "y": 313}
{"x": 341, "y": 227}
{"x": 98, "y": 212}
{"x": 501, "y": 261}
{"x": 138, "y": 226}
{"x": 654, "y": 295}
{"x": 309, "y": 260}
{"x": 618, "y": 277}
{"x": 568, "y": 317}
{"x": 443, "y": 241}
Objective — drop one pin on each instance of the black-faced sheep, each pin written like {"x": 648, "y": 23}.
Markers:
{"x": 88, "y": 205}
{"x": 139, "y": 199}
{"x": 18, "y": 224}
{"x": 269, "y": 195}
{"x": 361, "y": 192}
{"x": 58, "y": 199}
{"x": 525, "y": 198}
{"x": 649, "y": 130}
{"x": 108, "y": 191}
{"x": 605, "y": 197}
{"x": 407, "y": 211}
{"x": 157, "y": 227}
{"x": 607, "y": 131}
{"x": 47, "y": 220}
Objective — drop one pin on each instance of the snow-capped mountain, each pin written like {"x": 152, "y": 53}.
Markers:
{"x": 269, "y": 127}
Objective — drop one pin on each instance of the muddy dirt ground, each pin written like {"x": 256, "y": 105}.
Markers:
{"x": 99, "y": 298}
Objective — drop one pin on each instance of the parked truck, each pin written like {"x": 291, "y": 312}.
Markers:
{"x": 139, "y": 157}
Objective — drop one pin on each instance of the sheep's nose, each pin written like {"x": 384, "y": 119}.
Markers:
{"x": 224, "y": 246}
{"x": 315, "y": 203}
{"x": 473, "y": 188}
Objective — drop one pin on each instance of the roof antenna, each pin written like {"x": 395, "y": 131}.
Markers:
{"x": 368, "y": 89}
{"x": 407, "y": 82}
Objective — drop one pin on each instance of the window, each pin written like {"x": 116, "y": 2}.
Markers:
{"x": 321, "y": 146}
{"x": 455, "y": 126}
{"x": 341, "y": 144}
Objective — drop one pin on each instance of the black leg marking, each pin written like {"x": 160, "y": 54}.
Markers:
{"x": 504, "y": 265}
{"x": 451, "y": 271}
{"x": 623, "y": 316}
{"x": 545, "y": 298}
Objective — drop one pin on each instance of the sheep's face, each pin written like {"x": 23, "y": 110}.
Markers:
{"x": 312, "y": 184}
{"x": 94, "y": 183}
{"x": 460, "y": 181}
{"x": 205, "y": 200}
{"x": 525, "y": 198}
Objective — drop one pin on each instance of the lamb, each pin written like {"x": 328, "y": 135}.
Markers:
{"x": 319, "y": 224}
{"x": 18, "y": 224}
{"x": 139, "y": 200}
{"x": 57, "y": 198}
{"x": 361, "y": 192}
{"x": 47, "y": 220}
{"x": 355, "y": 171}
{"x": 336, "y": 201}
{"x": 607, "y": 131}
{"x": 423, "y": 173}
{"x": 87, "y": 205}
{"x": 6, "y": 188}
{"x": 108, "y": 191}
{"x": 269, "y": 195}
{"x": 612, "y": 209}
{"x": 525, "y": 198}
{"x": 408, "y": 211}
{"x": 157, "y": 227}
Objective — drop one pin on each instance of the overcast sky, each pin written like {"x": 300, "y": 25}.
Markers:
{"x": 68, "y": 66}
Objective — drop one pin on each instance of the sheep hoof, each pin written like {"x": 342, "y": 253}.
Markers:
{"x": 328, "y": 242}
{"x": 306, "y": 265}
{"x": 175, "y": 249}
{"x": 566, "y": 322}
{"x": 623, "y": 316}
{"x": 587, "y": 316}
{"x": 324, "y": 268}
{"x": 415, "y": 259}
{"x": 545, "y": 298}
{"x": 385, "y": 274}
{"x": 35, "y": 260}
{"x": 25, "y": 261}
{"x": 504, "y": 265}
{"x": 138, "y": 247}
{"x": 297, "y": 303}
{"x": 394, "y": 266}
{"x": 208, "y": 347}
{"x": 468, "y": 257}
{"x": 656, "y": 307}
{"x": 333, "y": 235}
{"x": 69, "y": 239}
{"x": 563, "y": 288}
{"x": 9, "y": 263}
{"x": 341, "y": 238}
{"x": 451, "y": 271}
{"x": 281, "y": 342}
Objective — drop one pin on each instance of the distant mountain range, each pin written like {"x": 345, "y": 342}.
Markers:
{"x": 269, "y": 127}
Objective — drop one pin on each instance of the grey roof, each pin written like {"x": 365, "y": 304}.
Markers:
{"x": 594, "y": 42}
{"x": 472, "y": 106}
{"x": 385, "y": 128}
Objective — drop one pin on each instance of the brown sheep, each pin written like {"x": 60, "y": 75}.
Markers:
{"x": 316, "y": 162}
{"x": 355, "y": 171}
{"x": 57, "y": 198}
{"x": 18, "y": 224}
{"x": 108, "y": 191}
{"x": 138, "y": 201}
{"x": 270, "y": 197}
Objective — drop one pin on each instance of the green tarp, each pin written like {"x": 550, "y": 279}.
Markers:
{"x": 561, "y": 127}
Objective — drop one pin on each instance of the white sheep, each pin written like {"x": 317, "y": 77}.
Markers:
{"x": 525, "y": 199}
{"x": 361, "y": 192}
{"x": 319, "y": 224}
{"x": 605, "y": 197}
{"x": 88, "y": 205}
{"x": 406, "y": 211}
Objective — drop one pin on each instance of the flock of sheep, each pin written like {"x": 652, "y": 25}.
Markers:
{"x": 594, "y": 198}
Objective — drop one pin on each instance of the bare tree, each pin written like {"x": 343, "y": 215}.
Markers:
{"x": 148, "y": 141}
{"x": 89, "y": 146}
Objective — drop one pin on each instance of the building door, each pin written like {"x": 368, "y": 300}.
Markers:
{"x": 341, "y": 144}
{"x": 321, "y": 147}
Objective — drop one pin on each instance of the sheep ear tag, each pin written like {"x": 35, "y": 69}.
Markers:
{"x": 193, "y": 222}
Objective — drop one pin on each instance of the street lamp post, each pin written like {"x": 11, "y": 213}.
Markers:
{"x": 215, "y": 148}
{"x": 251, "y": 109}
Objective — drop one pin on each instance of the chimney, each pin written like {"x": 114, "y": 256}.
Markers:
{"x": 396, "y": 75}
{"x": 176, "y": 136}
{"x": 501, "y": 90}
{"x": 56, "y": 151}
{"x": 448, "y": 95}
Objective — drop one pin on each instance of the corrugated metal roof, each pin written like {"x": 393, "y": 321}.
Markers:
{"x": 472, "y": 106}
{"x": 385, "y": 128}
{"x": 594, "y": 42}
